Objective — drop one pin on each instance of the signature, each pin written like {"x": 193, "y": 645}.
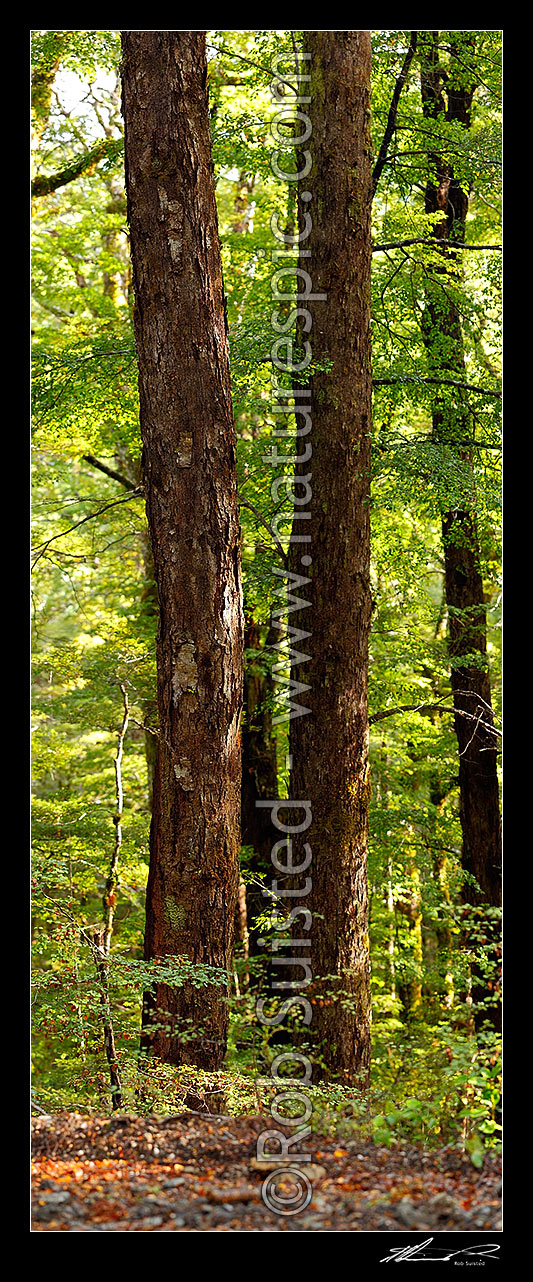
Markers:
{"x": 424, "y": 1251}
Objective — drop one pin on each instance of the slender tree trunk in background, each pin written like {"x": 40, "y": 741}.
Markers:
{"x": 242, "y": 206}
{"x": 329, "y": 748}
{"x": 116, "y": 281}
{"x": 440, "y": 785}
{"x": 452, "y": 425}
{"x": 149, "y": 600}
{"x": 380, "y": 786}
{"x": 42, "y": 80}
{"x": 150, "y": 606}
{"x": 130, "y": 475}
{"x": 132, "y": 469}
{"x": 116, "y": 288}
{"x": 95, "y": 938}
{"x": 258, "y": 744}
{"x": 112, "y": 882}
{"x": 410, "y": 908}
{"x": 189, "y": 468}
{"x": 259, "y": 770}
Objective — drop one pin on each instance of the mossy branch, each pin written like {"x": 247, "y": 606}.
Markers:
{"x": 105, "y": 149}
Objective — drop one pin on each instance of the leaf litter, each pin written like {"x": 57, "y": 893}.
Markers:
{"x": 197, "y": 1173}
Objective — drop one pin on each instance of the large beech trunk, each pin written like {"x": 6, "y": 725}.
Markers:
{"x": 189, "y": 470}
{"x": 329, "y": 747}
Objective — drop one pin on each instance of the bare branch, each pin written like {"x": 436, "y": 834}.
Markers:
{"x": 422, "y": 240}
{"x": 391, "y": 121}
{"x": 115, "y": 476}
{"x": 266, "y": 526}
{"x": 436, "y": 382}
{"x": 230, "y": 53}
{"x": 41, "y": 547}
{"x": 433, "y": 707}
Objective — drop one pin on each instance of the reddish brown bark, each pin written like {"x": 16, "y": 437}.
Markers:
{"x": 189, "y": 469}
{"x": 330, "y": 746}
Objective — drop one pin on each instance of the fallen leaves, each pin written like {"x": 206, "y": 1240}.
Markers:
{"x": 191, "y": 1173}
{"x": 312, "y": 1171}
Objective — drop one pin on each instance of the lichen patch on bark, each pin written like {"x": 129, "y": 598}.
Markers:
{"x": 184, "y": 450}
{"x": 185, "y": 674}
{"x": 182, "y": 771}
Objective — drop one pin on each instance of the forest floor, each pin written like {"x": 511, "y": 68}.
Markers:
{"x": 194, "y": 1173}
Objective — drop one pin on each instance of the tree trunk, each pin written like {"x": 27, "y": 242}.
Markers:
{"x": 452, "y": 425}
{"x": 189, "y": 469}
{"x": 329, "y": 748}
{"x": 42, "y": 80}
{"x": 259, "y": 772}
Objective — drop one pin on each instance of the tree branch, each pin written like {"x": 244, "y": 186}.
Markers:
{"x": 266, "y": 526}
{"x": 432, "y": 707}
{"x": 41, "y": 547}
{"x": 115, "y": 476}
{"x": 44, "y": 184}
{"x": 391, "y": 120}
{"x": 422, "y": 240}
{"x": 230, "y": 53}
{"x": 436, "y": 382}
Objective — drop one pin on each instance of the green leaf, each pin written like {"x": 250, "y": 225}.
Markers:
{"x": 476, "y": 1151}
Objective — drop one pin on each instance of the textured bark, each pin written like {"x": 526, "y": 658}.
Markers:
{"x": 330, "y": 747}
{"x": 189, "y": 468}
{"x": 467, "y": 627}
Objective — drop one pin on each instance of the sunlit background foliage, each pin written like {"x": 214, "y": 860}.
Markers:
{"x": 92, "y": 598}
